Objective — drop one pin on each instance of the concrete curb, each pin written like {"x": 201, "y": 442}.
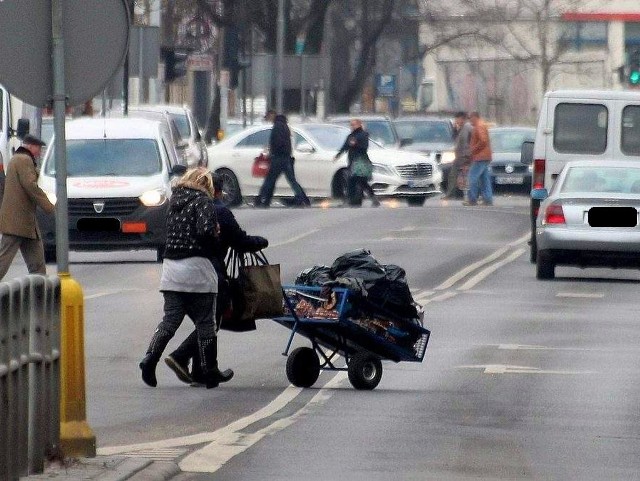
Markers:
{"x": 108, "y": 468}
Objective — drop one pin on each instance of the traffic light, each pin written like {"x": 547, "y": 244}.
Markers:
{"x": 175, "y": 63}
{"x": 633, "y": 76}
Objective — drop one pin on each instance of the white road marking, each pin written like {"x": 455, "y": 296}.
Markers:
{"x": 113, "y": 292}
{"x": 524, "y": 347}
{"x": 444, "y": 296}
{"x": 288, "y": 395}
{"x": 295, "y": 239}
{"x": 230, "y": 441}
{"x": 422, "y": 294}
{"x": 451, "y": 281}
{"x": 505, "y": 369}
{"x": 491, "y": 269}
{"x": 581, "y": 295}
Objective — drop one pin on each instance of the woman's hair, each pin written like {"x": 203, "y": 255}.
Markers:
{"x": 198, "y": 177}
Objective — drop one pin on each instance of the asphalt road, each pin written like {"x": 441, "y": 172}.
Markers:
{"x": 522, "y": 379}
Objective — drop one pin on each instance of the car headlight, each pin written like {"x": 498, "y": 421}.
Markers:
{"x": 383, "y": 169}
{"x": 51, "y": 196}
{"x": 530, "y": 168}
{"x": 153, "y": 198}
{"x": 447, "y": 157}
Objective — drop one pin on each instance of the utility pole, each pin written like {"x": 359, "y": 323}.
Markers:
{"x": 280, "y": 58}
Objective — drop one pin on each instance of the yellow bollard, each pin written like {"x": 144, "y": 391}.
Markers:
{"x": 76, "y": 437}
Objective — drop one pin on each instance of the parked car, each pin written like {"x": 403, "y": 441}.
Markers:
{"x": 397, "y": 174}
{"x": 429, "y": 135}
{"x": 506, "y": 146}
{"x": 590, "y": 217}
{"x": 119, "y": 181}
{"x": 189, "y": 140}
{"x": 380, "y": 128}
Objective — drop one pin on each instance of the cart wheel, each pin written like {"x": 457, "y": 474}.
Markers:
{"x": 365, "y": 371}
{"x": 303, "y": 367}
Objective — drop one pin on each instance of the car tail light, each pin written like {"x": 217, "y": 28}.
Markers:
{"x": 554, "y": 215}
{"x": 539, "y": 166}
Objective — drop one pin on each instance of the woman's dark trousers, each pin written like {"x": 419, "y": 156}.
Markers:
{"x": 200, "y": 307}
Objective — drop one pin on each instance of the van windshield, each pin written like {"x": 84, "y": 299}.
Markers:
{"x": 108, "y": 157}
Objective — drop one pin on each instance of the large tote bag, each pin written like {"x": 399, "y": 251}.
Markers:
{"x": 255, "y": 291}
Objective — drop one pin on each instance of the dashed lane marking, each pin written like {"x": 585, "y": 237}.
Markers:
{"x": 581, "y": 295}
{"x": 295, "y": 239}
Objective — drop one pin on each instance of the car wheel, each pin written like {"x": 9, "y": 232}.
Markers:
{"x": 364, "y": 370}
{"x": 303, "y": 367}
{"x": 340, "y": 184}
{"x": 416, "y": 201}
{"x": 231, "y": 188}
{"x": 545, "y": 267}
{"x": 50, "y": 256}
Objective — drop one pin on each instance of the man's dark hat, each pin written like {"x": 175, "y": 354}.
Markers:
{"x": 32, "y": 140}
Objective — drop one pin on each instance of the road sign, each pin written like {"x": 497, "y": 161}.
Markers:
{"x": 96, "y": 35}
{"x": 386, "y": 85}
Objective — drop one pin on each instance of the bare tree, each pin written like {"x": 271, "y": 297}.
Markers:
{"x": 530, "y": 31}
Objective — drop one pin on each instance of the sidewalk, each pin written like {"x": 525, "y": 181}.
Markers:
{"x": 108, "y": 468}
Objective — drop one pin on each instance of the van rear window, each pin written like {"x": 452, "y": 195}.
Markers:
{"x": 580, "y": 128}
{"x": 630, "y": 141}
{"x": 109, "y": 157}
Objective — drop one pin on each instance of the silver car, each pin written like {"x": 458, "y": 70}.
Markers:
{"x": 590, "y": 217}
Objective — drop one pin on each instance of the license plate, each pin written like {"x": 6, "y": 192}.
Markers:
{"x": 512, "y": 179}
{"x": 419, "y": 183}
{"x": 613, "y": 217}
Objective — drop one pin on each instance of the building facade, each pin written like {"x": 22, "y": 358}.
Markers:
{"x": 506, "y": 58}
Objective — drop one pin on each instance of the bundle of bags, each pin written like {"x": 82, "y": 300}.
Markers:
{"x": 380, "y": 289}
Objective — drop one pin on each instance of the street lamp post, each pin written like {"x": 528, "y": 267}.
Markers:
{"x": 280, "y": 58}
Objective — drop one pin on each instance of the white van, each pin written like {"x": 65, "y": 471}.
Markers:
{"x": 118, "y": 185}
{"x": 580, "y": 125}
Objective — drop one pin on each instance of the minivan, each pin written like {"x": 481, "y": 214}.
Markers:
{"x": 579, "y": 125}
{"x": 118, "y": 185}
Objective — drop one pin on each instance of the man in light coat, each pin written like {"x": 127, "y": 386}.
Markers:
{"x": 22, "y": 195}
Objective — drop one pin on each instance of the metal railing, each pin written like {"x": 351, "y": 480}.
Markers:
{"x": 29, "y": 374}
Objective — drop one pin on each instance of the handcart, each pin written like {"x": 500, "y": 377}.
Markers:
{"x": 340, "y": 323}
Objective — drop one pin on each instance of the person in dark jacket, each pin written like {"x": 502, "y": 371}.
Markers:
{"x": 281, "y": 162}
{"x": 356, "y": 146}
{"x": 231, "y": 236}
{"x": 189, "y": 280}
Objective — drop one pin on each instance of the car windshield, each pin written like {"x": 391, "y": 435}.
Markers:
{"x": 379, "y": 130}
{"x": 619, "y": 180}
{"x": 109, "y": 157}
{"x": 508, "y": 140}
{"x": 436, "y": 131}
{"x": 182, "y": 123}
{"x": 331, "y": 137}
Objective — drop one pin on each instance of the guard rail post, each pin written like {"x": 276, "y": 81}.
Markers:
{"x": 43, "y": 407}
{"x": 6, "y": 414}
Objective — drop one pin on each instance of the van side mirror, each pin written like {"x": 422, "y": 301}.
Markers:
{"x": 526, "y": 152}
{"x": 178, "y": 170}
{"x": 405, "y": 142}
{"x": 23, "y": 128}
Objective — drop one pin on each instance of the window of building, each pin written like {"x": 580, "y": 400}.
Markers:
{"x": 581, "y": 35}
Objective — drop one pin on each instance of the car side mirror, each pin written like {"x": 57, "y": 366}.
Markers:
{"x": 405, "y": 142}
{"x": 178, "y": 170}
{"x": 305, "y": 148}
{"x": 539, "y": 194}
{"x": 23, "y": 128}
{"x": 526, "y": 152}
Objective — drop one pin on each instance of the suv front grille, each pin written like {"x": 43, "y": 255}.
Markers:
{"x": 412, "y": 171}
{"x": 112, "y": 207}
